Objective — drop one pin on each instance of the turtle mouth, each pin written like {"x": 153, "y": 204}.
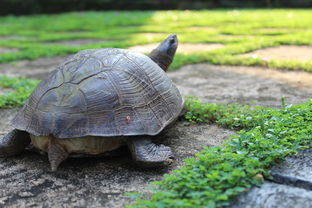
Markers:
{"x": 173, "y": 39}
{"x": 172, "y": 44}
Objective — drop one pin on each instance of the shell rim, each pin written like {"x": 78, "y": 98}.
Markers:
{"x": 114, "y": 135}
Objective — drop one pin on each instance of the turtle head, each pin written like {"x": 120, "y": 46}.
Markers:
{"x": 164, "y": 53}
{"x": 168, "y": 46}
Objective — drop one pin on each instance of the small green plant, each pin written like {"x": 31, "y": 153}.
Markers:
{"x": 19, "y": 90}
{"x": 217, "y": 174}
{"x": 234, "y": 116}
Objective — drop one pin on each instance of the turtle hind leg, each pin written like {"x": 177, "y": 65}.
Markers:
{"x": 56, "y": 154}
{"x": 146, "y": 153}
{"x": 14, "y": 143}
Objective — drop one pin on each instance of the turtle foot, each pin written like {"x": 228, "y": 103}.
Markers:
{"x": 14, "y": 143}
{"x": 146, "y": 153}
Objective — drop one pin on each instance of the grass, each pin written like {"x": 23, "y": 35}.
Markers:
{"x": 217, "y": 174}
{"x": 239, "y": 30}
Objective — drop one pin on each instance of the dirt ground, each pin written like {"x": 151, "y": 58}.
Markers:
{"x": 299, "y": 53}
{"x": 26, "y": 180}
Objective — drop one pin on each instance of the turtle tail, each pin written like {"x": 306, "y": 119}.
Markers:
{"x": 56, "y": 154}
{"x": 164, "y": 53}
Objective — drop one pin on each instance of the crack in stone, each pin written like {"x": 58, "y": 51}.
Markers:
{"x": 290, "y": 181}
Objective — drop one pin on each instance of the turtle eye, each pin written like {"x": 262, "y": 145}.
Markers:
{"x": 172, "y": 41}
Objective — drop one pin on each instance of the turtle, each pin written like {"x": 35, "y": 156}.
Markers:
{"x": 97, "y": 101}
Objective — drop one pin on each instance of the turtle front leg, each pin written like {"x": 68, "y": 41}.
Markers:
{"x": 14, "y": 143}
{"x": 146, "y": 153}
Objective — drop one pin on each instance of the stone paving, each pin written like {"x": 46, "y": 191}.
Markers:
{"x": 297, "y": 53}
{"x": 290, "y": 186}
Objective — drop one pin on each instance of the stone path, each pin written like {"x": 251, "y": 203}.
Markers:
{"x": 26, "y": 181}
{"x": 232, "y": 84}
{"x": 37, "y": 69}
{"x": 298, "y": 53}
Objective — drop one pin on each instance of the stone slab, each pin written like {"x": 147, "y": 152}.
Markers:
{"x": 247, "y": 85}
{"x": 291, "y": 52}
{"x": 38, "y": 68}
{"x": 272, "y": 195}
{"x": 298, "y": 166}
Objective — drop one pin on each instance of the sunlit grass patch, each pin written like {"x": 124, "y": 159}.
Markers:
{"x": 16, "y": 90}
{"x": 240, "y": 31}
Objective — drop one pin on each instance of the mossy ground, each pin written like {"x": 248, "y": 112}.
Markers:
{"x": 268, "y": 135}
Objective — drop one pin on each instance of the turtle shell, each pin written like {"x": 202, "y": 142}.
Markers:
{"x": 102, "y": 92}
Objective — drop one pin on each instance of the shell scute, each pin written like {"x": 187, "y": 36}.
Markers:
{"x": 62, "y": 101}
{"x": 88, "y": 69}
{"x": 99, "y": 94}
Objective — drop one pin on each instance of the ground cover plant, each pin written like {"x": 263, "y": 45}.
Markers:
{"x": 217, "y": 174}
